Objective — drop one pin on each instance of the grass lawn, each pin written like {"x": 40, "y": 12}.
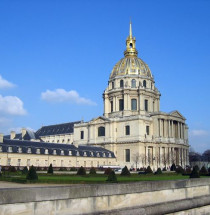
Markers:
{"x": 91, "y": 179}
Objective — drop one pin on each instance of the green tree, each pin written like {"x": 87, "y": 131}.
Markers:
{"x": 112, "y": 177}
{"x": 50, "y": 169}
{"x": 107, "y": 171}
{"x": 25, "y": 170}
{"x": 92, "y": 171}
{"x": 159, "y": 171}
{"x": 194, "y": 173}
{"x": 125, "y": 171}
{"x": 81, "y": 171}
{"x": 32, "y": 175}
{"x": 148, "y": 170}
{"x": 203, "y": 171}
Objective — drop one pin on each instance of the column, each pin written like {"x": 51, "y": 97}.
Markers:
{"x": 172, "y": 128}
{"x": 114, "y": 104}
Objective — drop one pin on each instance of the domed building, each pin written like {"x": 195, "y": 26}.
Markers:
{"x": 132, "y": 126}
{"x": 132, "y": 131}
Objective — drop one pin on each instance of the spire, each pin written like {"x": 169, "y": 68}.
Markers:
{"x": 130, "y": 44}
{"x": 130, "y": 33}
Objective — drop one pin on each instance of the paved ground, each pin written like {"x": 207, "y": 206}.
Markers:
{"x": 4, "y": 184}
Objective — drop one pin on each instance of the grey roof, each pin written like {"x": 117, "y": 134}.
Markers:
{"x": 28, "y": 136}
{"x": 87, "y": 151}
{"x": 65, "y": 128}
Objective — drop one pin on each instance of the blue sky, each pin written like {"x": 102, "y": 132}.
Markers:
{"x": 56, "y": 58}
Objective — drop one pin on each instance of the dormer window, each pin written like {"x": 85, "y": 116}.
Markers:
{"x": 54, "y": 152}
{"x": 38, "y": 151}
{"x": 77, "y": 153}
{"x": 0, "y": 148}
{"x": 46, "y": 151}
{"x": 104, "y": 154}
{"x": 19, "y": 150}
{"x": 62, "y": 152}
{"x": 85, "y": 153}
{"x": 29, "y": 150}
{"x": 98, "y": 154}
{"x": 9, "y": 149}
{"x": 110, "y": 155}
{"x": 91, "y": 153}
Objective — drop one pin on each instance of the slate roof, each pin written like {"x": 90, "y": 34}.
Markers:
{"x": 65, "y": 128}
{"x": 28, "y": 136}
{"x": 83, "y": 151}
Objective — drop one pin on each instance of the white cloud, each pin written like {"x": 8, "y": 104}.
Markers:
{"x": 11, "y": 105}
{"x": 5, "y": 84}
{"x": 61, "y": 95}
{"x": 199, "y": 132}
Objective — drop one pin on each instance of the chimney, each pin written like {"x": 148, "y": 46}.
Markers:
{"x": 1, "y": 138}
{"x": 12, "y": 135}
{"x": 23, "y": 131}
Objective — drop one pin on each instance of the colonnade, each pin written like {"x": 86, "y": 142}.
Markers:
{"x": 171, "y": 128}
{"x": 165, "y": 156}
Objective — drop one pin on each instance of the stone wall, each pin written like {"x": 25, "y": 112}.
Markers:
{"x": 158, "y": 197}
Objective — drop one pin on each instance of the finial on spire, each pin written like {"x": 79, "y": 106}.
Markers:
{"x": 130, "y": 29}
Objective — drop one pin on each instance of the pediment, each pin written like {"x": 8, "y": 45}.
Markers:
{"x": 99, "y": 119}
{"x": 176, "y": 113}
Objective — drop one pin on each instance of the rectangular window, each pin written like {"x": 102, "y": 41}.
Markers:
{"x": 127, "y": 155}
{"x": 127, "y": 130}
{"x": 133, "y": 104}
{"x": 28, "y": 162}
{"x": 113, "y": 85}
{"x": 111, "y": 106}
{"x": 81, "y": 134}
{"x": 146, "y": 105}
{"x": 147, "y": 130}
{"x": 121, "y": 104}
{"x": 8, "y": 161}
{"x": 19, "y": 161}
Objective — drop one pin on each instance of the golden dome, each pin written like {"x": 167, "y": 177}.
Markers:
{"x": 131, "y": 64}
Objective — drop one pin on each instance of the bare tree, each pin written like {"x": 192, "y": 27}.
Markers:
{"x": 136, "y": 158}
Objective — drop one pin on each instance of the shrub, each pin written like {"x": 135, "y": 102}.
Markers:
{"x": 72, "y": 169}
{"x": 32, "y": 175}
{"x": 112, "y": 177}
{"x": 125, "y": 171}
{"x": 158, "y": 172}
{"x": 50, "y": 169}
{"x": 208, "y": 170}
{"x": 107, "y": 171}
{"x": 173, "y": 167}
{"x": 25, "y": 170}
{"x": 148, "y": 170}
{"x": 197, "y": 168}
{"x": 194, "y": 173}
{"x": 63, "y": 169}
{"x": 81, "y": 171}
{"x": 92, "y": 171}
{"x": 12, "y": 169}
{"x": 164, "y": 169}
{"x": 179, "y": 170}
{"x": 142, "y": 169}
{"x": 203, "y": 171}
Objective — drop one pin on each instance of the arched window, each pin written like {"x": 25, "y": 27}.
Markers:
{"x": 121, "y": 104}
{"x": 131, "y": 45}
{"x": 101, "y": 131}
{"x": 133, "y": 104}
{"x": 144, "y": 83}
{"x": 121, "y": 84}
{"x": 133, "y": 83}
